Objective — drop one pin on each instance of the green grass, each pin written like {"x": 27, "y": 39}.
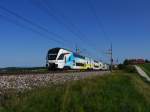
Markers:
{"x": 146, "y": 68}
{"x": 120, "y": 92}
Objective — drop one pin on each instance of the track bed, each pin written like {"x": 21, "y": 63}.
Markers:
{"x": 29, "y": 81}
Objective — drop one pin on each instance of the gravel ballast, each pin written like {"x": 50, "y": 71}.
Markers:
{"x": 21, "y": 82}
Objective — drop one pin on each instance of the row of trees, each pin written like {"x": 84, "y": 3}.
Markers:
{"x": 135, "y": 61}
{"x": 127, "y": 64}
{"x": 147, "y": 61}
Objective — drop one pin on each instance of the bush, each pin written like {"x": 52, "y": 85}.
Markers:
{"x": 127, "y": 68}
{"x": 121, "y": 66}
{"x": 130, "y": 69}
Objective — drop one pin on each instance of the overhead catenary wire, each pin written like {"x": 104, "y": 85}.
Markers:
{"x": 43, "y": 5}
{"x": 58, "y": 38}
{"x": 98, "y": 20}
{"x": 26, "y": 27}
{"x": 62, "y": 15}
{"x": 31, "y": 22}
{"x": 38, "y": 26}
{"x": 46, "y": 9}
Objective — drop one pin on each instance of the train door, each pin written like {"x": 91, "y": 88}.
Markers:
{"x": 68, "y": 61}
{"x": 61, "y": 61}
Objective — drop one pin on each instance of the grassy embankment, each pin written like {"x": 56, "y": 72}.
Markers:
{"x": 146, "y": 68}
{"x": 119, "y": 92}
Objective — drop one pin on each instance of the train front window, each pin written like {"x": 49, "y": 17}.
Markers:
{"x": 54, "y": 51}
{"x": 61, "y": 57}
{"x": 52, "y": 57}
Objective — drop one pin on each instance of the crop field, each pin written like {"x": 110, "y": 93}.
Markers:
{"x": 118, "y": 92}
{"x": 146, "y": 68}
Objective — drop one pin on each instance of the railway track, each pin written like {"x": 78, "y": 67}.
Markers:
{"x": 28, "y": 81}
{"x": 9, "y": 73}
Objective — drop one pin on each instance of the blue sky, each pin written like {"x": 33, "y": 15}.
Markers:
{"x": 125, "y": 23}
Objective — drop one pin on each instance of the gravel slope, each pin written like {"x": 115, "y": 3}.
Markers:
{"x": 21, "y": 82}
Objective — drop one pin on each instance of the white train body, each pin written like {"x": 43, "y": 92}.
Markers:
{"x": 59, "y": 58}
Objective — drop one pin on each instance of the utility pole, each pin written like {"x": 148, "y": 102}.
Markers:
{"x": 111, "y": 58}
{"x": 110, "y": 53}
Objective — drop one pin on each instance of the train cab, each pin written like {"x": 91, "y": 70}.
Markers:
{"x": 56, "y": 58}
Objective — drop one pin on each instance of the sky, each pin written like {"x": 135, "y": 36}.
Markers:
{"x": 29, "y": 28}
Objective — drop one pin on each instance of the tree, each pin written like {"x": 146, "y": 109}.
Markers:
{"x": 147, "y": 61}
{"x": 126, "y": 62}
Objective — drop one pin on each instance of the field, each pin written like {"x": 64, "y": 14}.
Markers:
{"x": 118, "y": 92}
{"x": 146, "y": 68}
{"x": 17, "y": 70}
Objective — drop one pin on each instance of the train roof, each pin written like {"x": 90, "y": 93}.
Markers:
{"x": 58, "y": 48}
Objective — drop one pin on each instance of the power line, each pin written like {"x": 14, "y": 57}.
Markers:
{"x": 101, "y": 27}
{"x": 78, "y": 34}
{"x": 100, "y": 24}
{"x": 46, "y": 9}
{"x": 28, "y": 28}
{"x": 29, "y": 22}
{"x": 62, "y": 15}
{"x": 69, "y": 22}
{"x": 44, "y": 6}
{"x": 32, "y": 23}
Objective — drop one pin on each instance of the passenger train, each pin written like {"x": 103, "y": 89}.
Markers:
{"x": 60, "y": 58}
